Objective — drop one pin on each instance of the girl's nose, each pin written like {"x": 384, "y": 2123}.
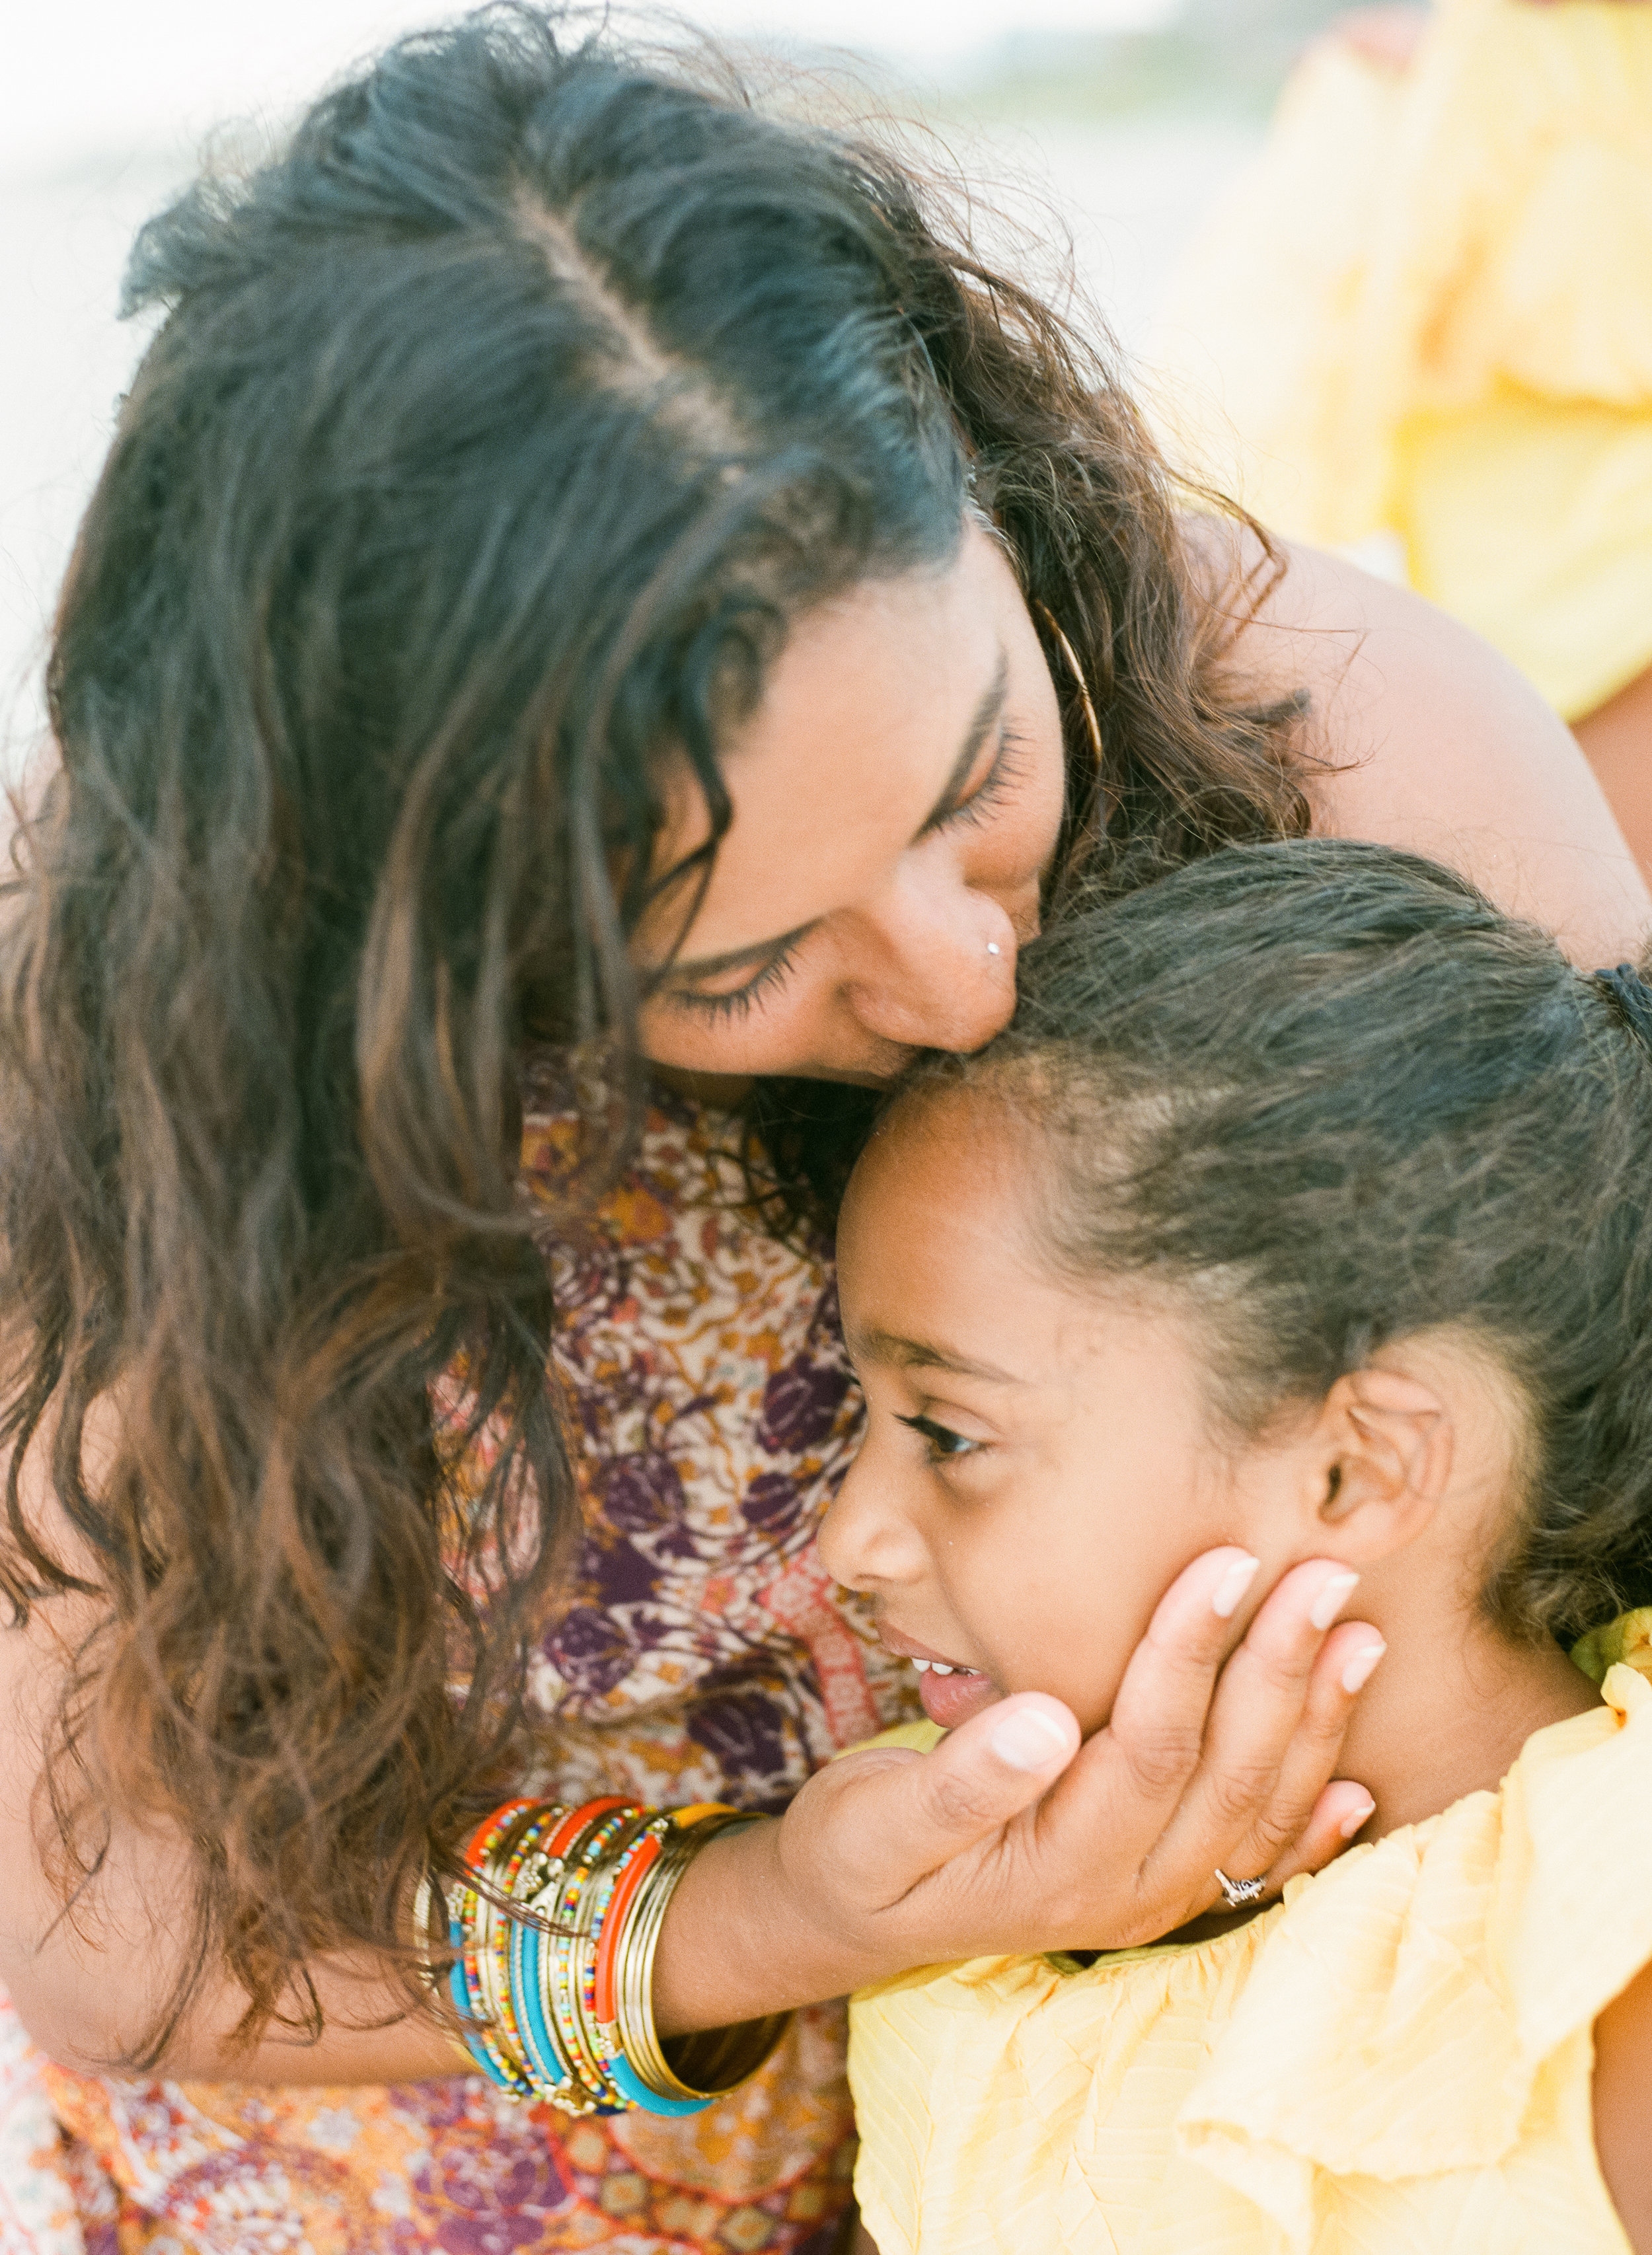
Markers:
{"x": 864, "y": 1544}
{"x": 936, "y": 967}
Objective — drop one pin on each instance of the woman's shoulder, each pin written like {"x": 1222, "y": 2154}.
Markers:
{"x": 1419, "y": 734}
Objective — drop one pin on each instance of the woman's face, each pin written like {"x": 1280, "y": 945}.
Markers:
{"x": 897, "y": 796}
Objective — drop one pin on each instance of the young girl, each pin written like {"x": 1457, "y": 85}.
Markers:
{"x": 1302, "y": 1208}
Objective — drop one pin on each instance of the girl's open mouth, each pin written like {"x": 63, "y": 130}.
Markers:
{"x": 951, "y": 1694}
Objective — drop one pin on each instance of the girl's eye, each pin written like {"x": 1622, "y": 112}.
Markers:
{"x": 773, "y": 975}
{"x": 999, "y": 781}
{"x": 944, "y": 1446}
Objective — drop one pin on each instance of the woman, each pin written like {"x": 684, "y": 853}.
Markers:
{"x": 586, "y": 575}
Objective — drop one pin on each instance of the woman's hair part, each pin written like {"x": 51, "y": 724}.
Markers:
{"x": 496, "y": 433}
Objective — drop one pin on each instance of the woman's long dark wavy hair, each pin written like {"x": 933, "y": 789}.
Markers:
{"x": 495, "y": 432}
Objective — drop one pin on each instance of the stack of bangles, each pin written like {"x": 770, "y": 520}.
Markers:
{"x": 552, "y": 1950}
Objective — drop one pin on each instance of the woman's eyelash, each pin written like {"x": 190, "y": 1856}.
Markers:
{"x": 943, "y": 1444}
{"x": 1005, "y": 772}
{"x": 736, "y": 1005}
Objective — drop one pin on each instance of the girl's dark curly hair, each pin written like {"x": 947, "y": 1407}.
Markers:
{"x": 495, "y": 434}
{"x": 1422, "y": 1116}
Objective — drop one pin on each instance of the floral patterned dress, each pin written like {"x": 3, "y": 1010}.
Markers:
{"x": 699, "y": 1651}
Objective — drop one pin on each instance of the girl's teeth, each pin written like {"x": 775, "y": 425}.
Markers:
{"x": 922, "y": 1667}
{"x": 939, "y": 1668}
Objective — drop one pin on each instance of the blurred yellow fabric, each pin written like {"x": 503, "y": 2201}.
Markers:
{"x": 1395, "y": 2060}
{"x": 1427, "y": 313}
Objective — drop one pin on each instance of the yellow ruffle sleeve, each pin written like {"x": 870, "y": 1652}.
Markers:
{"x": 1395, "y": 2061}
{"x": 1427, "y": 315}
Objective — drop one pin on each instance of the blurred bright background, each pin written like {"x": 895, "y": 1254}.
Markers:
{"x": 1115, "y": 121}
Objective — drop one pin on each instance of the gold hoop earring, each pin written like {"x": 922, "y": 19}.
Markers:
{"x": 1079, "y": 682}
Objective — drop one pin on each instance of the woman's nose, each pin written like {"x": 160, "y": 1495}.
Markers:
{"x": 935, "y": 967}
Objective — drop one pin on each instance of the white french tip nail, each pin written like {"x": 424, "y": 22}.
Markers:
{"x": 1357, "y": 1674}
{"x": 1331, "y": 1601}
{"x": 1231, "y": 1587}
{"x": 1355, "y": 1818}
{"x": 1028, "y": 1740}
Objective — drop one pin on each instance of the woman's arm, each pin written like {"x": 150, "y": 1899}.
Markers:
{"x": 86, "y": 1981}
{"x": 1433, "y": 742}
{"x": 885, "y": 1861}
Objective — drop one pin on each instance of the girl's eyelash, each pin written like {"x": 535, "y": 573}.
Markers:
{"x": 938, "y": 1438}
{"x": 1005, "y": 772}
{"x": 736, "y": 1005}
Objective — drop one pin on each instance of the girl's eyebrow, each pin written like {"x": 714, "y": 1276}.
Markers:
{"x": 876, "y": 1345}
{"x": 989, "y": 709}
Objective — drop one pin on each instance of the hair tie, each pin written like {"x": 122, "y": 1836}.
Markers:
{"x": 1631, "y": 997}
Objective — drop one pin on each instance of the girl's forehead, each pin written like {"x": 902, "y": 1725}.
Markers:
{"x": 945, "y": 1187}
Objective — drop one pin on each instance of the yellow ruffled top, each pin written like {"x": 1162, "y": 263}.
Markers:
{"x": 1395, "y": 2059}
{"x": 1424, "y": 321}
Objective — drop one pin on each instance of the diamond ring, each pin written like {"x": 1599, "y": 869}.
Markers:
{"x": 1238, "y": 1893}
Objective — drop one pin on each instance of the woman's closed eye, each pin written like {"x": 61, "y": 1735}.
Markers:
{"x": 736, "y": 1003}
{"x": 999, "y": 781}
{"x": 944, "y": 1446}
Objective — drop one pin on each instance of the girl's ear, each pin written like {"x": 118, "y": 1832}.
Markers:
{"x": 1381, "y": 1458}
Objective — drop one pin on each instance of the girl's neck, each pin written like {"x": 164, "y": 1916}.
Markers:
{"x": 1449, "y": 1708}
{"x": 1445, "y": 1715}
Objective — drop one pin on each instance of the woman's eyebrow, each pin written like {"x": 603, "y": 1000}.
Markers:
{"x": 987, "y": 712}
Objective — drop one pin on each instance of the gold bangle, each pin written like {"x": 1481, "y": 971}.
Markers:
{"x": 568, "y": 1898}
{"x": 708, "y": 2062}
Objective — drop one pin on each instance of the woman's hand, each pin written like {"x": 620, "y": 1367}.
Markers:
{"x": 1011, "y": 1836}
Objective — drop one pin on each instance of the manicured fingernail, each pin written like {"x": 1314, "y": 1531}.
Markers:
{"x": 1357, "y": 1674}
{"x": 1355, "y": 1818}
{"x": 1231, "y": 1587}
{"x": 1028, "y": 1740}
{"x": 1331, "y": 1598}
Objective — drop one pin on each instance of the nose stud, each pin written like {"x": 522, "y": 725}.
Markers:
{"x": 993, "y": 948}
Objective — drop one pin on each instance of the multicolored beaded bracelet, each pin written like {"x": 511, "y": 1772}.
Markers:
{"x": 554, "y": 1944}
{"x": 465, "y": 1980}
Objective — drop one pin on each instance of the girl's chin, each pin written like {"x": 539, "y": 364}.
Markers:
{"x": 950, "y": 1700}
